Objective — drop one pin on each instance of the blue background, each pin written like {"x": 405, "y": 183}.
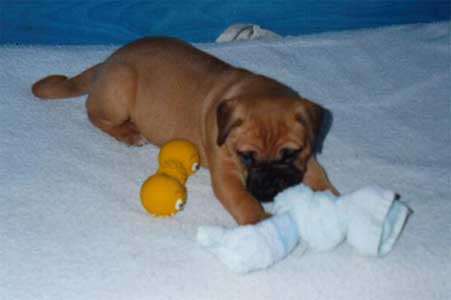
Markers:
{"x": 117, "y": 22}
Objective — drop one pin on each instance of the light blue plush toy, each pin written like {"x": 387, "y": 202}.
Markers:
{"x": 370, "y": 220}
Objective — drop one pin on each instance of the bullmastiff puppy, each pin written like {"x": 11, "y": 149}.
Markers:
{"x": 256, "y": 135}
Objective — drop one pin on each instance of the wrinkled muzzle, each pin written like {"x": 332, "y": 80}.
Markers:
{"x": 266, "y": 180}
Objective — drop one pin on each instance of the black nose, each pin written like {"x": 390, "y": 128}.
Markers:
{"x": 265, "y": 182}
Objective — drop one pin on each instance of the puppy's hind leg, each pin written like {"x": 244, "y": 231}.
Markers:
{"x": 111, "y": 100}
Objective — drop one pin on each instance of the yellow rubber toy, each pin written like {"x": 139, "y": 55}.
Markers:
{"x": 164, "y": 193}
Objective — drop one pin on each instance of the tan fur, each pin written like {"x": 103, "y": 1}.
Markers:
{"x": 158, "y": 89}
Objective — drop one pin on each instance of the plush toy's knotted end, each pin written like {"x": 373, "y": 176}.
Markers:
{"x": 251, "y": 247}
{"x": 375, "y": 220}
{"x": 394, "y": 224}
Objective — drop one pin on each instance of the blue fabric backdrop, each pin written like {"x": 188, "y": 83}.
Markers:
{"x": 100, "y": 22}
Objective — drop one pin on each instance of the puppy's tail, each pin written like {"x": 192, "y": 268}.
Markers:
{"x": 59, "y": 86}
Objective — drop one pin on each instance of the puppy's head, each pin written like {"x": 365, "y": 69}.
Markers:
{"x": 270, "y": 140}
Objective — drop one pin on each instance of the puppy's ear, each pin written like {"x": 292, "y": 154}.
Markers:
{"x": 226, "y": 120}
{"x": 317, "y": 120}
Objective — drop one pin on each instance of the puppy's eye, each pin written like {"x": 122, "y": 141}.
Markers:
{"x": 247, "y": 158}
{"x": 289, "y": 155}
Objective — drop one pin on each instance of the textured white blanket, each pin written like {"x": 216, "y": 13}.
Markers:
{"x": 72, "y": 225}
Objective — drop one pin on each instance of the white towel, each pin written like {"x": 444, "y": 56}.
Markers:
{"x": 240, "y": 32}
